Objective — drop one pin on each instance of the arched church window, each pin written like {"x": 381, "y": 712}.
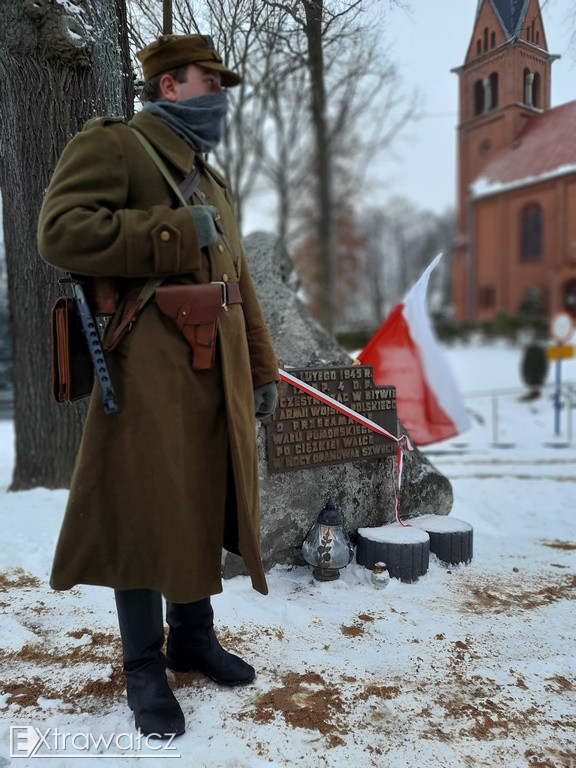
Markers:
{"x": 528, "y": 87}
{"x": 478, "y": 47}
{"x": 485, "y": 38}
{"x": 493, "y": 40}
{"x": 536, "y": 97}
{"x": 493, "y": 90}
{"x": 478, "y": 97}
{"x": 532, "y": 233}
{"x": 570, "y": 297}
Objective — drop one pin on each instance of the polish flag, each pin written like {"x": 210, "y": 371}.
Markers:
{"x": 404, "y": 353}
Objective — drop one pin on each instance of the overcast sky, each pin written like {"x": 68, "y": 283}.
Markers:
{"x": 427, "y": 42}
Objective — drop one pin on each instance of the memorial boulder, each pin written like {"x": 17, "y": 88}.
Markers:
{"x": 308, "y": 451}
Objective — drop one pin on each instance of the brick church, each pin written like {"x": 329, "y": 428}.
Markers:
{"x": 516, "y": 170}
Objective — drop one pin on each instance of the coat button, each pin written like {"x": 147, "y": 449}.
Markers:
{"x": 165, "y": 235}
{"x": 221, "y": 248}
{"x": 225, "y": 278}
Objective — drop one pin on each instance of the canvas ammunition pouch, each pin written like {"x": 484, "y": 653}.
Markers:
{"x": 195, "y": 310}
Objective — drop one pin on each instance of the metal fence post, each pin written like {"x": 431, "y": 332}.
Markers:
{"x": 569, "y": 404}
{"x": 495, "y": 419}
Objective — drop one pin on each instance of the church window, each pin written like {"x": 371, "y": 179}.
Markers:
{"x": 493, "y": 40}
{"x": 485, "y": 38}
{"x": 537, "y": 38}
{"x": 478, "y": 97}
{"x": 532, "y": 96}
{"x": 486, "y": 296}
{"x": 570, "y": 297}
{"x": 536, "y": 90}
{"x": 528, "y": 87}
{"x": 493, "y": 90}
{"x": 532, "y": 233}
{"x": 478, "y": 47}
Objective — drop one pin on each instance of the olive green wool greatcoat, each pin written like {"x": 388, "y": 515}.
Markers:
{"x": 161, "y": 486}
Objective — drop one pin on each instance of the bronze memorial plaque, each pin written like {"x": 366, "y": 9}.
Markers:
{"x": 305, "y": 432}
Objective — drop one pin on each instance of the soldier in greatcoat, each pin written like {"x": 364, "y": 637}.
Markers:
{"x": 161, "y": 486}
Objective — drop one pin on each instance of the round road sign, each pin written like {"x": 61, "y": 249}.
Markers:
{"x": 561, "y": 327}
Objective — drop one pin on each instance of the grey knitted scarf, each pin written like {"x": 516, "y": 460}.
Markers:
{"x": 199, "y": 120}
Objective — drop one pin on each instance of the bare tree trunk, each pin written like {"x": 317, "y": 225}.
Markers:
{"x": 283, "y": 190}
{"x": 127, "y": 75}
{"x": 374, "y": 238}
{"x": 60, "y": 64}
{"x": 167, "y": 17}
{"x": 285, "y": 163}
{"x": 314, "y": 10}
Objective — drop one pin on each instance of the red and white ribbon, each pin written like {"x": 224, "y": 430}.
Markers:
{"x": 403, "y": 442}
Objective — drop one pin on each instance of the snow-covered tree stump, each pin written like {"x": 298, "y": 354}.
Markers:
{"x": 405, "y": 550}
{"x": 451, "y": 540}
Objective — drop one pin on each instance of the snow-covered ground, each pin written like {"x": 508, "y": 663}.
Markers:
{"x": 469, "y": 666}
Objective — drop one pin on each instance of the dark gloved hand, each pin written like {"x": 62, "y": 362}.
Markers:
{"x": 265, "y": 399}
{"x": 204, "y": 216}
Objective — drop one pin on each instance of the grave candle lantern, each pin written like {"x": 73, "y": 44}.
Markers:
{"x": 327, "y": 547}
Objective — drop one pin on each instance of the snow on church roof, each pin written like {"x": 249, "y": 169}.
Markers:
{"x": 545, "y": 149}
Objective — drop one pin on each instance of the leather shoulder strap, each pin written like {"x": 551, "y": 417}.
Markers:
{"x": 190, "y": 189}
{"x": 190, "y": 183}
{"x": 130, "y": 317}
{"x": 183, "y": 191}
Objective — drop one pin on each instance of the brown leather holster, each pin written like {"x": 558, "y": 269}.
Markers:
{"x": 195, "y": 310}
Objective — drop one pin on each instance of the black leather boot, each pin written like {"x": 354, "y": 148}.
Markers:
{"x": 193, "y": 645}
{"x": 156, "y": 711}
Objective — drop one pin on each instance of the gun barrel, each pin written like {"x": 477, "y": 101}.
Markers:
{"x": 90, "y": 328}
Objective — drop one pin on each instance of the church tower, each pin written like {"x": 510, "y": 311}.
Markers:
{"x": 503, "y": 83}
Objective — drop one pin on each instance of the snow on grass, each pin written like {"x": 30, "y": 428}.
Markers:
{"x": 469, "y": 666}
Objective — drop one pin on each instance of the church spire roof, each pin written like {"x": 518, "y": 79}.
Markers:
{"x": 511, "y": 14}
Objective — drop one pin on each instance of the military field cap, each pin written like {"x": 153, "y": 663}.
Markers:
{"x": 171, "y": 51}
